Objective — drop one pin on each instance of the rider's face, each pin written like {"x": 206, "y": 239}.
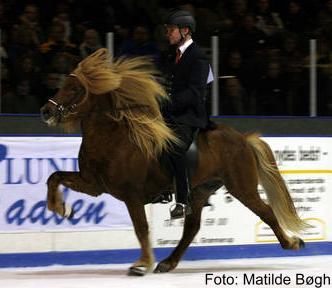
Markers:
{"x": 173, "y": 34}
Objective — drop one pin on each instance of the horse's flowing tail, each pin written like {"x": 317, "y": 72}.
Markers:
{"x": 275, "y": 187}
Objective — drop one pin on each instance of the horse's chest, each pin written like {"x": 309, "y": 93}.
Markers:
{"x": 113, "y": 160}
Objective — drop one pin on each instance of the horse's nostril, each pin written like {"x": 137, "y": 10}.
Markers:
{"x": 46, "y": 114}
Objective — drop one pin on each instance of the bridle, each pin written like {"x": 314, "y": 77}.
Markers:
{"x": 61, "y": 110}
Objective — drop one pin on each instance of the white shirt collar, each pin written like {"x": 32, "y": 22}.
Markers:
{"x": 185, "y": 45}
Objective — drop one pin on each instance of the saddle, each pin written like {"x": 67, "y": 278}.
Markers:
{"x": 191, "y": 165}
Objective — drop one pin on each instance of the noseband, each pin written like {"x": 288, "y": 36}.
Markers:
{"x": 61, "y": 110}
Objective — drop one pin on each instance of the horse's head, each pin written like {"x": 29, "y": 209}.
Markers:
{"x": 67, "y": 104}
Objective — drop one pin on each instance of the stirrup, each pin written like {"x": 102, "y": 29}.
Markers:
{"x": 177, "y": 211}
{"x": 163, "y": 198}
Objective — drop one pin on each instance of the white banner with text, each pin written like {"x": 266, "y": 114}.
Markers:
{"x": 306, "y": 165}
{"x": 25, "y": 165}
{"x": 27, "y": 162}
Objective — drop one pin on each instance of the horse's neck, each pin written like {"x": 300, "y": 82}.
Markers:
{"x": 99, "y": 124}
{"x": 96, "y": 119}
{"x": 98, "y": 127}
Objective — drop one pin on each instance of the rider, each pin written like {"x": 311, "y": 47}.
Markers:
{"x": 187, "y": 87}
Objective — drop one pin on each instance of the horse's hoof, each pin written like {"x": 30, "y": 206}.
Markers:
{"x": 297, "y": 244}
{"x": 162, "y": 267}
{"x": 68, "y": 211}
{"x": 301, "y": 244}
{"x": 137, "y": 271}
{"x": 71, "y": 215}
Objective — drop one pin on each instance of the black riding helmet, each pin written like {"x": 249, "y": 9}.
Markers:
{"x": 180, "y": 18}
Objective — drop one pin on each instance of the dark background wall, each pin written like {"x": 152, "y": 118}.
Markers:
{"x": 32, "y": 124}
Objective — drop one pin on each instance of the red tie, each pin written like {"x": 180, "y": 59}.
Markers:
{"x": 178, "y": 56}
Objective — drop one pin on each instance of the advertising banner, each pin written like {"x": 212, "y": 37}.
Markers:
{"x": 27, "y": 162}
{"x": 25, "y": 165}
{"x": 306, "y": 165}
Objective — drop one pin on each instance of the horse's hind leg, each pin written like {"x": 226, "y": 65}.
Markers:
{"x": 145, "y": 262}
{"x": 71, "y": 180}
{"x": 251, "y": 199}
{"x": 191, "y": 227}
{"x": 280, "y": 214}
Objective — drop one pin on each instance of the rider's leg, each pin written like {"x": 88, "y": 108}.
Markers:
{"x": 181, "y": 187}
{"x": 178, "y": 160}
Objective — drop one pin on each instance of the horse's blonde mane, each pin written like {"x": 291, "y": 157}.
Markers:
{"x": 135, "y": 95}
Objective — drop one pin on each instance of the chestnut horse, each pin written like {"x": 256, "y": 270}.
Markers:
{"x": 116, "y": 103}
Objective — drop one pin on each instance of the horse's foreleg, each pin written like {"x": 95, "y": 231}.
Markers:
{"x": 71, "y": 180}
{"x": 191, "y": 227}
{"x": 145, "y": 262}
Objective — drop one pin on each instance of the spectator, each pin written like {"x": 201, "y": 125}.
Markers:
{"x": 291, "y": 58}
{"x": 141, "y": 44}
{"x": 90, "y": 44}
{"x": 325, "y": 21}
{"x": 4, "y": 21}
{"x": 64, "y": 63}
{"x": 206, "y": 28}
{"x": 98, "y": 14}
{"x": 29, "y": 22}
{"x": 27, "y": 69}
{"x": 25, "y": 100}
{"x": 234, "y": 65}
{"x": 267, "y": 21}
{"x": 295, "y": 19}
{"x": 272, "y": 92}
{"x": 248, "y": 39}
{"x": 325, "y": 16}
{"x": 122, "y": 36}
{"x": 8, "y": 95}
{"x": 21, "y": 44}
{"x": 237, "y": 10}
{"x": 56, "y": 43}
{"x": 63, "y": 18}
{"x": 233, "y": 98}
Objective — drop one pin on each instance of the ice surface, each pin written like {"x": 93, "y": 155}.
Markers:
{"x": 189, "y": 274}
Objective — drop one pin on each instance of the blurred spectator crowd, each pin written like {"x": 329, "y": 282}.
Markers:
{"x": 264, "y": 47}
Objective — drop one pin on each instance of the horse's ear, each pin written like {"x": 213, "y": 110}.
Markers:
{"x": 102, "y": 53}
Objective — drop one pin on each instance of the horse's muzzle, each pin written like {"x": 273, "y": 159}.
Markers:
{"x": 46, "y": 113}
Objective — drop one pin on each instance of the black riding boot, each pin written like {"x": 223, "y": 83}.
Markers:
{"x": 181, "y": 208}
